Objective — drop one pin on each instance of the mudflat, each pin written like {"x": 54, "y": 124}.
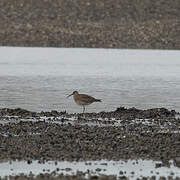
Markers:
{"x": 120, "y": 134}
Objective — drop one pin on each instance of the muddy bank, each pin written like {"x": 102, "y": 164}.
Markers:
{"x": 62, "y": 177}
{"x": 120, "y": 113}
{"x": 133, "y": 113}
{"x": 82, "y": 177}
{"x": 151, "y": 138}
{"x": 132, "y": 119}
{"x": 45, "y": 141}
{"x": 110, "y": 24}
{"x": 121, "y": 134}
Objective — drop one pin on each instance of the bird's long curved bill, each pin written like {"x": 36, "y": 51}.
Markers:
{"x": 69, "y": 95}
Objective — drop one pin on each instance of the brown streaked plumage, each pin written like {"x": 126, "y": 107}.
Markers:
{"x": 83, "y": 99}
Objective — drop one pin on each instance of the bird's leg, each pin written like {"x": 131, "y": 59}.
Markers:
{"x": 83, "y": 109}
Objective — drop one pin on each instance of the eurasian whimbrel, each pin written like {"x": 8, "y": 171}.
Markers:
{"x": 83, "y": 99}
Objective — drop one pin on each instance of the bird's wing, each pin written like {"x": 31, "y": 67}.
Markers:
{"x": 87, "y": 98}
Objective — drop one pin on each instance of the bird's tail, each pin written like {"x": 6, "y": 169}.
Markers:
{"x": 98, "y": 100}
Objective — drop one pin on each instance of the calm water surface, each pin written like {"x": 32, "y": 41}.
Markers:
{"x": 41, "y": 78}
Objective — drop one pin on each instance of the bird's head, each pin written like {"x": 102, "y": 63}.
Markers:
{"x": 74, "y": 93}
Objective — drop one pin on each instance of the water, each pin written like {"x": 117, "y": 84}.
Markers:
{"x": 132, "y": 169}
{"x": 41, "y": 78}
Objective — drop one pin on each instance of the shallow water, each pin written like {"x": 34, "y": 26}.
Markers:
{"x": 41, "y": 78}
{"x": 132, "y": 168}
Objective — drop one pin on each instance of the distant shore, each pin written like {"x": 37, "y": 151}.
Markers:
{"x": 94, "y": 24}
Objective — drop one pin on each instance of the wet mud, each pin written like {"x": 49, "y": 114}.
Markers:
{"x": 45, "y": 141}
{"x": 52, "y": 176}
{"x": 121, "y": 112}
{"x": 121, "y": 134}
{"x": 147, "y": 134}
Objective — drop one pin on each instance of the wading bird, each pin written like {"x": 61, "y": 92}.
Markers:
{"x": 83, "y": 99}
